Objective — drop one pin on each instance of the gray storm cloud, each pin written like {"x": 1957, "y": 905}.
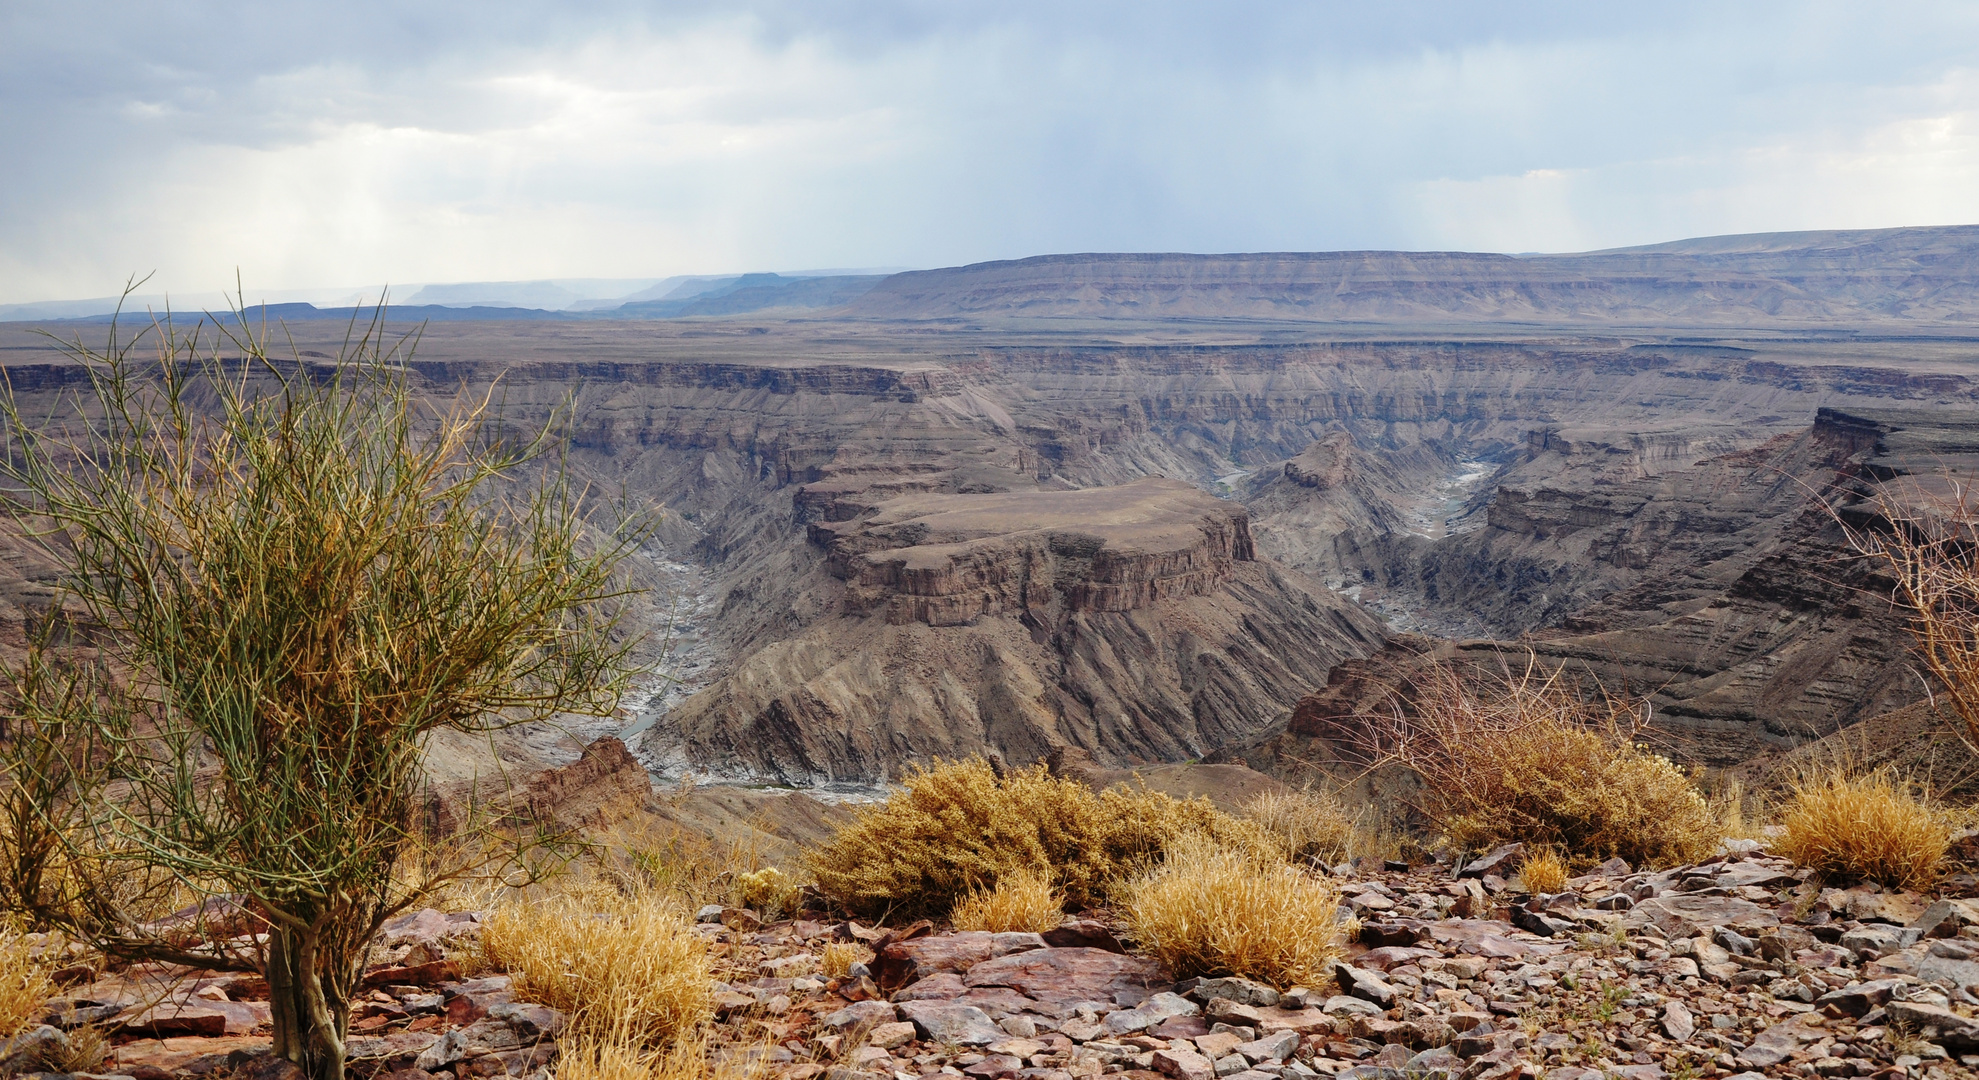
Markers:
{"x": 318, "y": 145}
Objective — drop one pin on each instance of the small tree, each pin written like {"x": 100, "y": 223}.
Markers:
{"x": 295, "y": 574}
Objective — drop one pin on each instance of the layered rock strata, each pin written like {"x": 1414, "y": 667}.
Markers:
{"x": 946, "y": 560}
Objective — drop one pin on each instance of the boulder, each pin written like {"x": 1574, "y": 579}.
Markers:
{"x": 1083, "y": 934}
{"x": 528, "y": 1020}
{"x": 902, "y": 962}
{"x": 1236, "y": 1014}
{"x": 1242, "y": 991}
{"x": 1688, "y": 914}
{"x": 1275, "y": 1047}
{"x": 861, "y": 1012}
{"x": 1184, "y": 1065}
{"x": 1678, "y": 1023}
{"x": 1364, "y": 984}
{"x": 26, "y": 1051}
{"x": 949, "y": 1022}
{"x": 1956, "y": 1033}
{"x": 1861, "y": 997}
{"x": 1071, "y": 975}
{"x": 1149, "y": 1013}
{"x": 1494, "y": 861}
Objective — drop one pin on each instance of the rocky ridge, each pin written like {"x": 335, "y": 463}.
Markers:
{"x": 1792, "y": 279}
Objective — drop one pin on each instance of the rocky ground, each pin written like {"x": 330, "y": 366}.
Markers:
{"x": 1739, "y": 966}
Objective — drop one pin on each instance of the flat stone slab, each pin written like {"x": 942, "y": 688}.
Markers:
{"x": 1077, "y": 974}
{"x": 1687, "y": 913}
{"x": 949, "y": 1022}
{"x": 905, "y": 962}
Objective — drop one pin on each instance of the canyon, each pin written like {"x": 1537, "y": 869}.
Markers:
{"x": 1163, "y": 508}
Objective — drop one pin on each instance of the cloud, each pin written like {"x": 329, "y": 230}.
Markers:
{"x": 317, "y": 145}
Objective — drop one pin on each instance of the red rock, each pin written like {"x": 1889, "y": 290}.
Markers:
{"x": 1299, "y": 1021}
{"x": 1068, "y": 975}
{"x": 997, "y": 1001}
{"x": 171, "y": 1055}
{"x": 1083, "y": 934}
{"x": 903, "y": 962}
{"x": 1180, "y": 1027}
{"x": 938, "y": 987}
{"x": 994, "y": 1067}
{"x": 431, "y": 974}
{"x": 1390, "y": 956}
{"x": 1392, "y": 933}
{"x": 179, "y": 1018}
{"x": 1184, "y": 1065}
{"x": 469, "y": 1001}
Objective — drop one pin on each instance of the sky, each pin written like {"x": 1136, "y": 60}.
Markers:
{"x": 314, "y": 145}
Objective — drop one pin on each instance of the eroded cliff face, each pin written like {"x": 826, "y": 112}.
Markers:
{"x": 1735, "y": 600}
{"x": 946, "y": 560}
{"x": 853, "y": 696}
{"x": 917, "y": 543}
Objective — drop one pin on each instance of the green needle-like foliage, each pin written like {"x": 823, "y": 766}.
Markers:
{"x": 296, "y": 573}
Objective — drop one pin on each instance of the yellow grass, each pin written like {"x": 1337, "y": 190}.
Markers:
{"x": 958, "y": 827}
{"x": 1023, "y": 900}
{"x": 627, "y": 969}
{"x": 586, "y": 1057}
{"x": 839, "y": 956}
{"x": 24, "y": 983}
{"x": 1543, "y": 872}
{"x": 589, "y": 1059}
{"x": 1210, "y": 911}
{"x": 1314, "y": 827}
{"x": 1868, "y": 826}
{"x": 1530, "y": 758}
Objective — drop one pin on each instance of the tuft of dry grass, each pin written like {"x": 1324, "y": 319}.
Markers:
{"x": 1870, "y": 826}
{"x": 1023, "y": 900}
{"x": 627, "y": 969}
{"x": 1530, "y": 758}
{"x": 24, "y": 982}
{"x": 586, "y": 1058}
{"x": 84, "y": 1052}
{"x": 1211, "y": 911}
{"x": 957, "y": 827}
{"x": 1543, "y": 872}
{"x": 1313, "y": 827}
{"x": 839, "y": 956}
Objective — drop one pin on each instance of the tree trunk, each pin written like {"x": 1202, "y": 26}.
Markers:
{"x": 310, "y": 1011}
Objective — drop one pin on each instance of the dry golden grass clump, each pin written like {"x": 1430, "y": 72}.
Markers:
{"x": 1868, "y": 826}
{"x": 590, "y": 1058}
{"x": 628, "y": 970}
{"x": 1543, "y": 872}
{"x": 1531, "y": 759}
{"x": 958, "y": 827}
{"x": 1313, "y": 827}
{"x": 1022, "y": 901}
{"x": 24, "y": 983}
{"x": 839, "y": 956}
{"x": 1210, "y": 911}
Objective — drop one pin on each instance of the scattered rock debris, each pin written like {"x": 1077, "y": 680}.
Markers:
{"x": 1737, "y": 967}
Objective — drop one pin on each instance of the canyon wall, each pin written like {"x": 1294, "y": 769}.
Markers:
{"x": 921, "y": 539}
